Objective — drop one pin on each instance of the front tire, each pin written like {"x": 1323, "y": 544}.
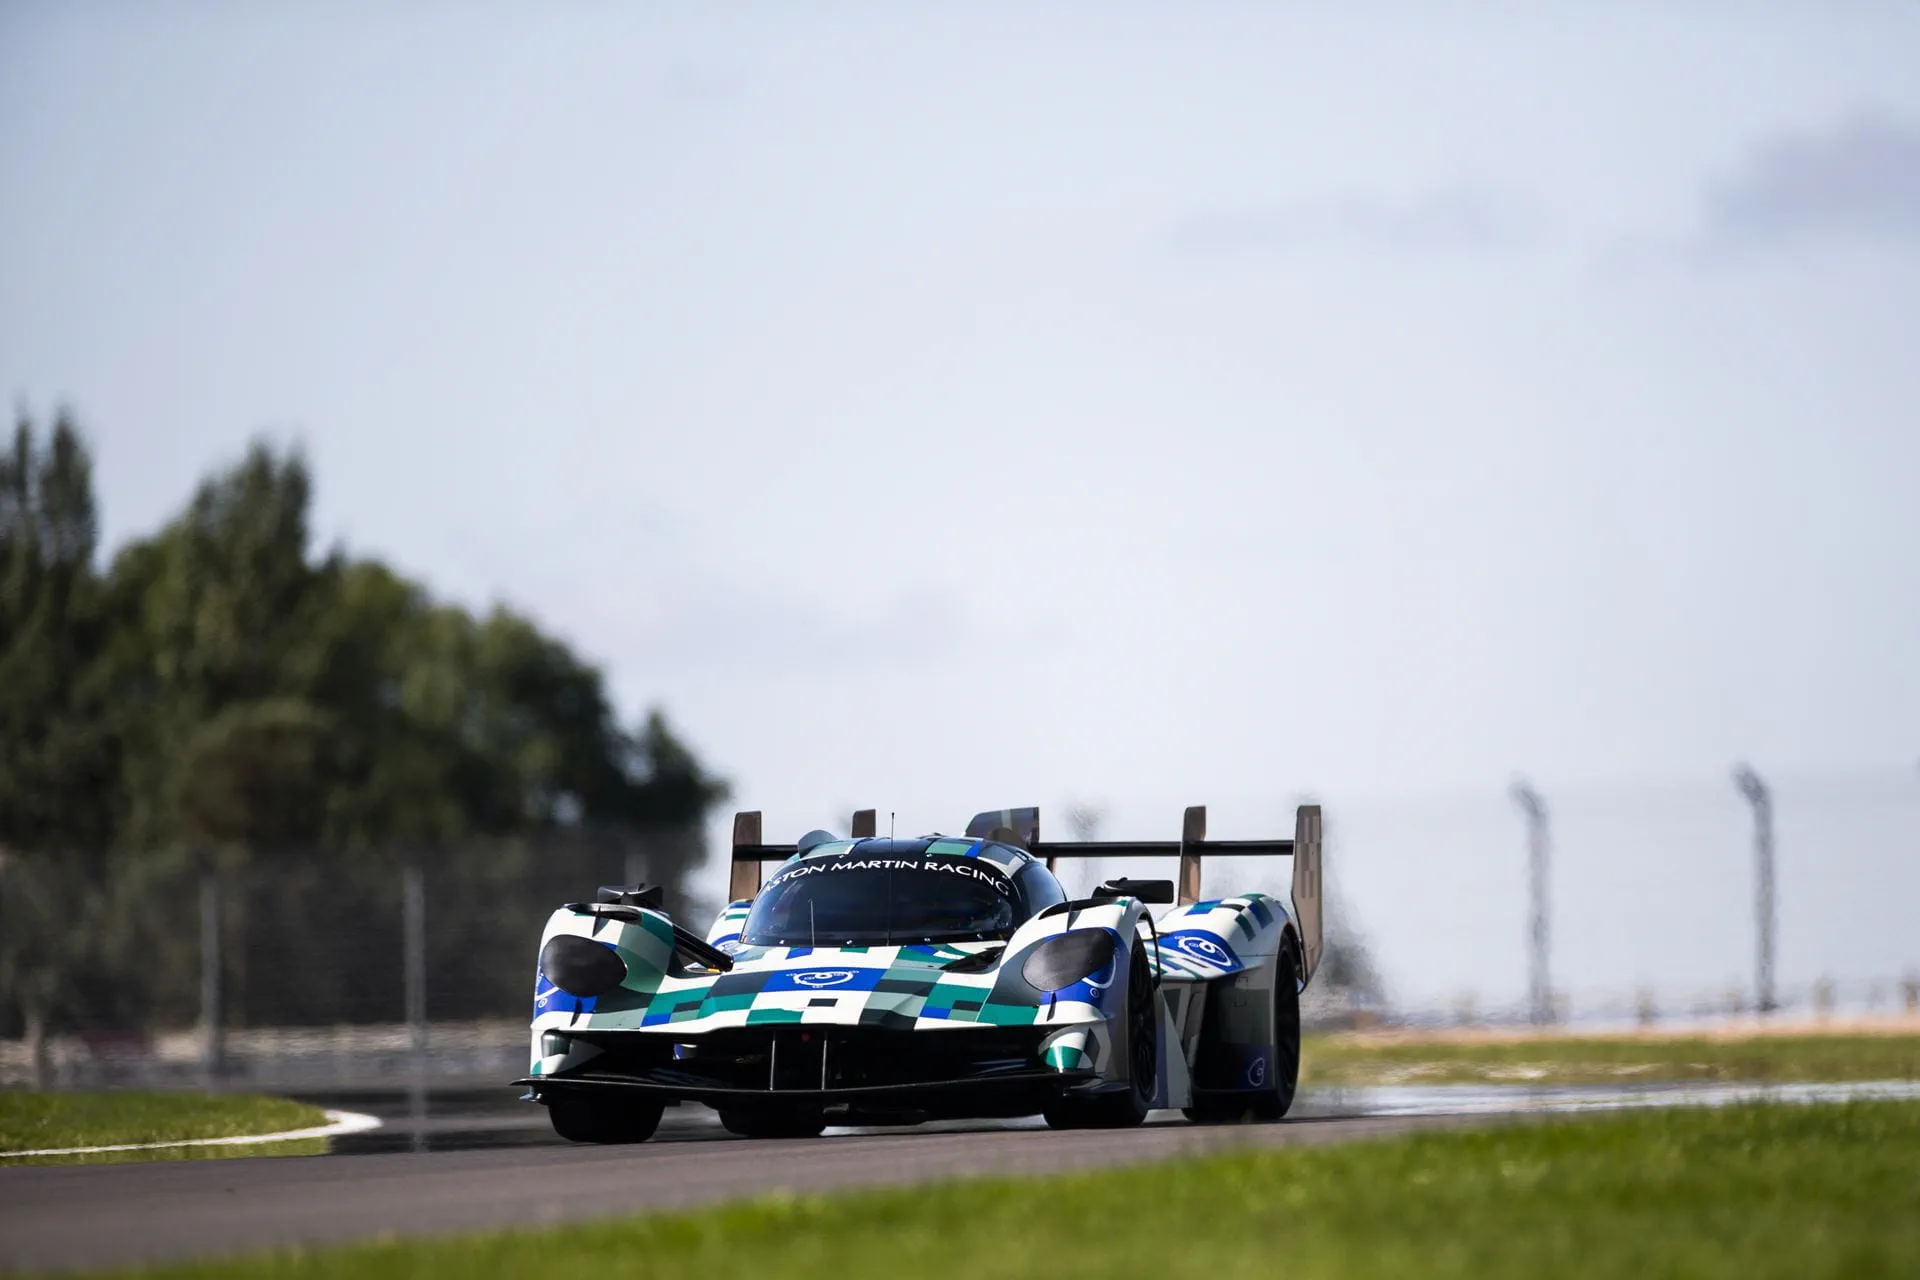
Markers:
{"x": 604, "y": 1120}
{"x": 1123, "y": 1109}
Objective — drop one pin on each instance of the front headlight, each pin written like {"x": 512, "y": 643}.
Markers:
{"x": 580, "y": 966}
{"x": 1065, "y": 959}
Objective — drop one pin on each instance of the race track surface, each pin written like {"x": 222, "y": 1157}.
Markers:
{"x": 467, "y": 1160}
{"x": 77, "y": 1217}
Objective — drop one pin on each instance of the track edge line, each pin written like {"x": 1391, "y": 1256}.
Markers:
{"x": 338, "y": 1122}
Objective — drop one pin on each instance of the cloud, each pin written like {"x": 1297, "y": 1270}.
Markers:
{"x": 1859, "y": 179}
{"x": 1458, "y": 219}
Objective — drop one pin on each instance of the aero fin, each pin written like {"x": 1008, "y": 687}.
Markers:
{"x": 1308, "y": 908}
{"x": 1010, "y": 826}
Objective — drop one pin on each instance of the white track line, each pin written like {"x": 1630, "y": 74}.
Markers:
{"x": 338, "y": 1122}
{"x": 1475, "y": 1099}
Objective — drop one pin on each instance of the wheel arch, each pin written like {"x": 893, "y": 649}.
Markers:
{"x": 1290, "y": 937}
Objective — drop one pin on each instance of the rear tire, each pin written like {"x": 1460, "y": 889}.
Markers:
{"x": 769, "y": 1122}
{"x": 1125, "y": 1108}
{"x": 1283, "y": 1072}
{"x": 604, "y": 1120}
{"x": 1275, "y": 1098}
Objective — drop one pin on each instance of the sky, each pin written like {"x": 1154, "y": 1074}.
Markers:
{"x": 944, "y": 407}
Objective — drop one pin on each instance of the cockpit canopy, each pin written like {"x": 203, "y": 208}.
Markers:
{"x": 895, "y": 893}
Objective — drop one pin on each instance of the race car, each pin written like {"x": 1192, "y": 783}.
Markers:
{"x": 873, "y": 981}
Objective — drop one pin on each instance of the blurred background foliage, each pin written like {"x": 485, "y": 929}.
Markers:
{"x": 219, "y": 698}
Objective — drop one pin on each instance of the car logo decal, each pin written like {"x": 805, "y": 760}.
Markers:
{"x": 1257, "y": 1072}
{"x": 1205, "y": 949}
{"x": 824, "y": 977}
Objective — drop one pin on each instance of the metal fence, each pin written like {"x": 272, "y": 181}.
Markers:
{"x": 294, "y": 968}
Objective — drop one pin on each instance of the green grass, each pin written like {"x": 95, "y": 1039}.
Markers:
{"x": 1751, "y": 1191}
{"x": 1334, "y": 1060}
{"x": 32, "y": 1121}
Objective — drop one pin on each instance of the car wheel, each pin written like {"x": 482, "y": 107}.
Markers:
{"x": 1283, "y": 1073}
{"x": 1275, "y": 1098}
{"x": 1125, "y": 1108}
{"x": 771, "y": 1122}
{"x": 604, "y": 1119}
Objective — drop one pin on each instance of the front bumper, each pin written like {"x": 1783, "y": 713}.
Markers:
{"x": 982, "y": 1072}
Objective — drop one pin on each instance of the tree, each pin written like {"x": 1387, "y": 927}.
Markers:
{"x": 212, "y": 614}
{"x": 224, "y": 698}
{"x": 58, "y": 757}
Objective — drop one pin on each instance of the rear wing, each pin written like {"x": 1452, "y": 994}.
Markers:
{"x": 1305, "y": 849}
{"x": 1022, "y": 827}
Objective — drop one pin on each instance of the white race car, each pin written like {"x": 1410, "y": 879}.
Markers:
{"x": 877, "y": 981}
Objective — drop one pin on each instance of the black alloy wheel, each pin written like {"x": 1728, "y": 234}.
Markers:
{"x": 1124, "y": 1108}
{"x": 1283, "y": 1073}
{"x": 1274, "y": 1096}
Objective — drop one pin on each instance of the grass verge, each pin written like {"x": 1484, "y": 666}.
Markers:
{"x": 1750, "y": 1191}
{"x": 1363, "y": 1060}
{"x": 32, "y": 1121}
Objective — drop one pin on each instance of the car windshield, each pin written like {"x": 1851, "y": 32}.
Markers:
{"x": 883, "y": 901}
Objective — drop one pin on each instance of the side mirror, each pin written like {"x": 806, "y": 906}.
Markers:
{"x": 651, "y": 896}
{"x": 1153, "y": 891}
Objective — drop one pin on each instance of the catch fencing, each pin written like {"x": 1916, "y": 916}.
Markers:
{"x": 289, "y": 969}
{"x": 295, "y": 970}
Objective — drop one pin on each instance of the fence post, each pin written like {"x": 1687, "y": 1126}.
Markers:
{"x": 414, "y": 944}
{"x": 1761, "y": 798}
{"x": 1540, "y": 1009}
{"x": 212, "y": 1047}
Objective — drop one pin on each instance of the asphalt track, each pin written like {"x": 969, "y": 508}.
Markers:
{"x": 73, "y": 1217}
{"x": 465, "y": 1162}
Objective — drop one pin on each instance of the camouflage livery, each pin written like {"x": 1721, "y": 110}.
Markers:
{"x": 1189, "y": 1008}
